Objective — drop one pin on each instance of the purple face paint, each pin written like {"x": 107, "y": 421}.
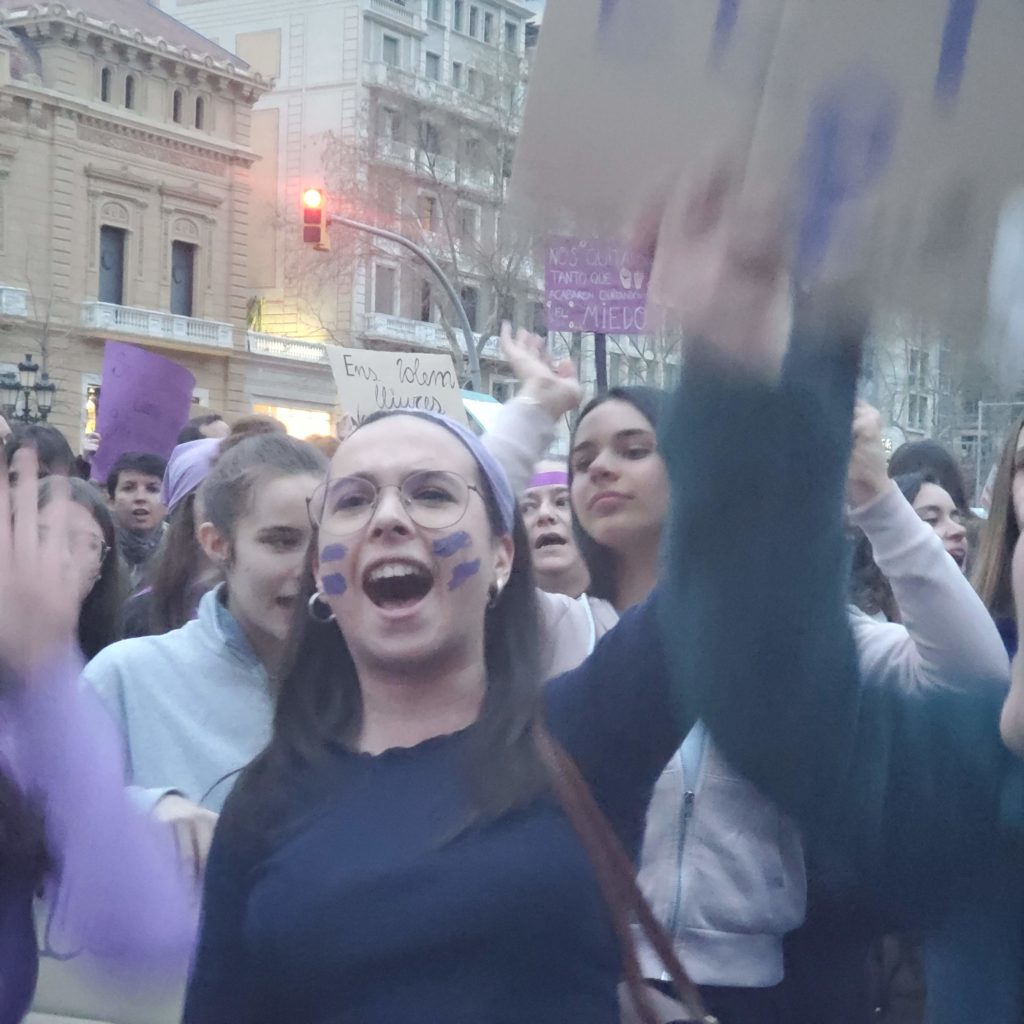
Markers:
{"x": 448, "y": 546}
{"x": 953, "y": 57}
{"x": 335, "y": 584}
{"x": 333, "y": 553}
{"x": 462, "y": 572}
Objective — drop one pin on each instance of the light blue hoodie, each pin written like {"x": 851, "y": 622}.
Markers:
{"x": 193, "y": 705}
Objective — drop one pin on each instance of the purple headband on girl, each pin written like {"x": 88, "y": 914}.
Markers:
{"x": 489, "y": 465}
{"x": 188, "y": 466}
{"x": 555, "y": 478}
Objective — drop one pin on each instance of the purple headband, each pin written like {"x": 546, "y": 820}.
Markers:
{"x": 556, "y": 478}
{"x": 188, "y": 466}
{"x": 489, "y": 465}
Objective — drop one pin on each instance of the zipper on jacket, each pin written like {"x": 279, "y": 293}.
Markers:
{"x": 684, "y": 823}
{"x": 691, "y": 763}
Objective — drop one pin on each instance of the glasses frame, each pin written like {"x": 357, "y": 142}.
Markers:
{"x": 316, "y": 521}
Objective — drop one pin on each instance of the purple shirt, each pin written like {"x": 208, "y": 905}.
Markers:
{"x": 116, "y": 890}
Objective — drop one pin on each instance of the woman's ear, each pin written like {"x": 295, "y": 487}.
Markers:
{"x": 504, "y": 552}
{"x": 215, "y": 545}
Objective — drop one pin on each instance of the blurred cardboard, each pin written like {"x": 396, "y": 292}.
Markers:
{"x": 894, "y": 129}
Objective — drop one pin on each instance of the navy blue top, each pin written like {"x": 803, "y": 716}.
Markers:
{"x": 368, "y": 912}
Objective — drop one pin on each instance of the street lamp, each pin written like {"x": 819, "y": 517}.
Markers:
{"x": 19, "y": 390}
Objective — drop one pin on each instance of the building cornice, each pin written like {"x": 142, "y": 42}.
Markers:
{"x": 193, "y": 196}
{"x": 108, "y": 126}
{"x": 72, "y": 26}
{"x": 122, "y": 177}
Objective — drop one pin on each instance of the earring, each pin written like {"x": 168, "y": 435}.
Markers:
{"x": 316, "y": 608}
{"x": 494, "y": 593}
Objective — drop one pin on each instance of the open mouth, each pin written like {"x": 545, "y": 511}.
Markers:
{"x": 547, "y": 540}
{"x": 140, "y": 513}
{"x": 397, "y": 585}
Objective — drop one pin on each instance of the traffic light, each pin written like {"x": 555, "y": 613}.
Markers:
{"x": 314, "y": 219}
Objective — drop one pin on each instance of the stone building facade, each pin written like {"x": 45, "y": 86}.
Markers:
{"x": 125, "y": 180}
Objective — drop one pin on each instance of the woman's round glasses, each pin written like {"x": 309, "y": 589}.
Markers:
{"x": 433, "y": 499}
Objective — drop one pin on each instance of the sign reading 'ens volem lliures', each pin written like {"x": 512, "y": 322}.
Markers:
{"x": 596, "y": 286}
{"x": 370, "y": 381}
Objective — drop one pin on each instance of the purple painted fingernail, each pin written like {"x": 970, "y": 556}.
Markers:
{"x": 448, "y": 546}
{"x": 462, "y": 572}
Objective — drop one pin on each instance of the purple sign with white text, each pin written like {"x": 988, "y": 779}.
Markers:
{"x": 596, "y": 286}
{"x": 145, "y": 400}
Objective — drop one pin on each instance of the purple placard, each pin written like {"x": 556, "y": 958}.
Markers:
{"x": 145, "y": 400}
{"x": 596, "y": 286}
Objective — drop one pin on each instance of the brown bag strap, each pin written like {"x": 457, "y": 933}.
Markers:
{"x": 616, "y": 877}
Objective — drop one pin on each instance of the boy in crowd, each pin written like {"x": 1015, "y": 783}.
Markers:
{"x": 134, "y": 489}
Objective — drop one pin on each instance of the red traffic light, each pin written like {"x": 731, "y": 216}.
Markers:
{"x": 315, "y": 219}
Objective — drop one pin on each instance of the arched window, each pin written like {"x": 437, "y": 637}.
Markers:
{"x": 176, "y": 105}
{"x": 129, "y": 92}
{"x": 200, "y": 111}
{"x": 105, "y": 79}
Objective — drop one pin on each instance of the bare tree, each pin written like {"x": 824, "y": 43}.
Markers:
{"x": 433, "y": 165}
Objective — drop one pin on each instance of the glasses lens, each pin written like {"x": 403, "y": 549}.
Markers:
{"x": 436, "y": 499}
{"x": 347, "y": 505}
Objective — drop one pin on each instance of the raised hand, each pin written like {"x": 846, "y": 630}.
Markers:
{"x": 193, "y": 828}
{"x": 721, "y": 265}
{"x": 38, "y": 600}
{"x": 868, "y": 475}
{"x": 90, "y": 446}
{"x": 553, "y": 385}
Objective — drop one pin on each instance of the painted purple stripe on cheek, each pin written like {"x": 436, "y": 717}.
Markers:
{"x": 448, "y": 546}
{"x": 333, "y": 553}
{"x": 335, "y": 584}
{"x": 462, "y": 572}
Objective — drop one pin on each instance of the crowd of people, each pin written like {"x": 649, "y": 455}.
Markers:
{"x": 376, "y": 701}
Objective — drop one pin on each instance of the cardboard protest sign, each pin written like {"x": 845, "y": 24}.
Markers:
{"x": 370, "y": 381}
{"x": 595, "y": 286}
{"x": 891, "y": 127}
{"x": 145, "y": 400}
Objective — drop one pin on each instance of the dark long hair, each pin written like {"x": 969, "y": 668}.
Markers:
{"x": 870, "y": 590}
{"x": 319, "y": 703}
{"x": 649, "y": 402}
{"x": 931, "y": 458}
{"x": 100, "y": 619}
{"x": 999, "y": 537}
{"x": 177, "y": 569}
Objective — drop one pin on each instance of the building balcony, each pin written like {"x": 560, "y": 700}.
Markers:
{"x": 406, "y": 332}
{"x": 438, "y": 168}
{"x": 476, "y": 179}
{"x": 149, "y": 323}
{"x": 401, "y": 331}
{"x": 458, "y": 102}
{"x": 398, "y": 154}
{"x": 282, "y": 347}
{"x": 13, "y": 301}
{"x": 397, "y": 13}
